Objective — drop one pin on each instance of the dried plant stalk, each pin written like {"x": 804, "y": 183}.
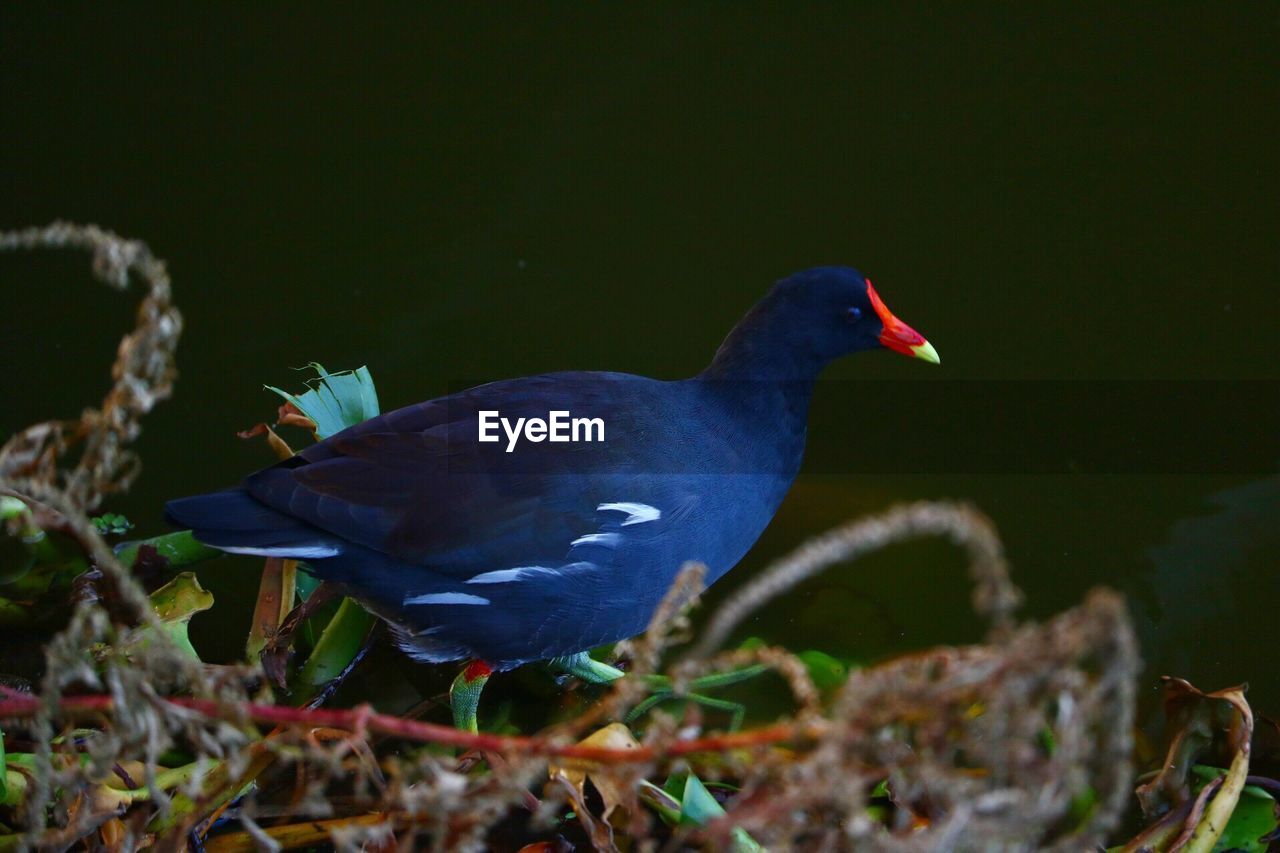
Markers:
{"x": 994, "y": 596}
{"x": 143, "y": 373}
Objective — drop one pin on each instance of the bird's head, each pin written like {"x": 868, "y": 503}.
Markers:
{"x": 809, "y": 319}
{"x": 836, "y": 311}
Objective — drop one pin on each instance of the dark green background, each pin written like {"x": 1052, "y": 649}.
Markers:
{"x": 1082, "y": 191}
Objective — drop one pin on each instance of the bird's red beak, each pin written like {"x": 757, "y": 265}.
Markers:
{"x": 897, "y": 335}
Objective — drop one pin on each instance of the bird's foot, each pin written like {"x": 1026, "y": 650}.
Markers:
{"x": 464, "y": 695}
{"x": 664, "y": 691}
{"x": 590, "y": 670}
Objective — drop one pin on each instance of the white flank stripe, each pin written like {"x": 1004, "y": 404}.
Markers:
{"x": 609, "y": 539}
{"x": 445, "y": 598}
{"x": 508, "y": 575}
{"x": 299, "y": 552}
{"x": 636, "y": 513}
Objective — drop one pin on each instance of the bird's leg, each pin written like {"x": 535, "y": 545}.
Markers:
{"x": 650, "y": 702}
{"x": 464, "y": 695}
{"x": 737, "y": 710}
{"x": 583, "y": 666}
{"x": 664, "y": 691}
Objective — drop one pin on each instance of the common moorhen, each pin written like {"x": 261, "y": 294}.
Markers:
{"x": 526, "y": 548}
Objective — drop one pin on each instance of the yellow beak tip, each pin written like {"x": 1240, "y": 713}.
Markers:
{"x": 926, "y": 352}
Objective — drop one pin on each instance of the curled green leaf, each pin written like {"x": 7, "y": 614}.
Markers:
{"x": 335, "y": 401}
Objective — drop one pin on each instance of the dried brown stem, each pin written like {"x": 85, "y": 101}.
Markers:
{"x": 994, "y": 596}
{"x": 144, "y": 373}
{"x": 363, "y": 720}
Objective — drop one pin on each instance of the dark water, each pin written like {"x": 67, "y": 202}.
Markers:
{"x": 1053, "y": 195}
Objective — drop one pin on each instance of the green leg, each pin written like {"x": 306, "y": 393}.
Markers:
{"x": 736, "y": 709}
{"x": 662, "y": 692}
{"x": 723, "y": 679}
{"x": 464, "y": 695}
{"x": 708, "y": 682}
{"x": 583, "y": 666}
{"x": 648, "y": 705}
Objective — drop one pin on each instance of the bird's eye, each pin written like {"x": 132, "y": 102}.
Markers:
{"x": 853, "y": 315}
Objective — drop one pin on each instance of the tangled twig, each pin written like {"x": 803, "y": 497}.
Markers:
{"x": 994, "y": 596}
{"x": 143, "y": 373}
{"x": 32, "y": 469}
{"x": 363, "y": 719}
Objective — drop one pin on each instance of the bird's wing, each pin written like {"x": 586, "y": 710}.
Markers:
{"x": 417, "y": 484}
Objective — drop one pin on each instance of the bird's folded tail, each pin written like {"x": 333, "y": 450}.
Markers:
{"x": 233, "y": 521}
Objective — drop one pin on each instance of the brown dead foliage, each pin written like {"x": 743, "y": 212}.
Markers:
{"x": 143, "y": 374}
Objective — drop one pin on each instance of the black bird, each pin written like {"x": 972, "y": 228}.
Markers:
{"x": 506, "y": 552}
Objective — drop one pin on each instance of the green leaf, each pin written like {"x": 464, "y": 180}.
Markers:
{"x": 220, "y": 785}
{"x": 1083, "y": 805}
{"x": 1205, "y": 773}
{"x": 16, "y": 559}
{"x": 41, "y": 563}
{"x": 1254, "y": 815}
{"x": 742, "y": 842}
{"x": 110, "y": 523}
{"x": 176, "y": 549}
{"x": 339, "y": 643}
{"x": 667, "y": 806}
{"x": 307, "y": 584}
{"x": 335, "y": 401}
{"x": 180, "y": 599}
{"x": 175, "y": 603}
{"x": 827, "y": 672}
{"x": 309, "y": 632}
{"x": 1048, "y": 740}
{"x": 674, "y": 786}
{"x": 697, "y": 806}
{"x": 1252, "y": 819}
{"x": 11, "y": 507}
{"x": 16, "y": 785}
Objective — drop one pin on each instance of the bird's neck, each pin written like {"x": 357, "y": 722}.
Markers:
{"x": 764, "y": 382}
{"x": 759, "y": 349}
{"x": 767, "y": 421}
{"x": 763, "y": 378}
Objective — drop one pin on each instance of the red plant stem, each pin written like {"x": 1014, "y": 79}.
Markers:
{"x": 364, "y": 719}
